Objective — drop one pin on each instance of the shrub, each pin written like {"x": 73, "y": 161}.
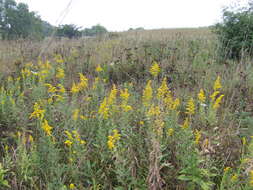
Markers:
{"x": 235, "y": 33}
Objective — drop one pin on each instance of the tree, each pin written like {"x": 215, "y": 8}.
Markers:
{"x": 235, "y": 32}
{"x": 69, "y": 31}
{"x": 94, "y": 30}
{"x": 16, "y": 21}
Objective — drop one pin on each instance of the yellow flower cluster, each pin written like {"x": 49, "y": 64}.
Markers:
{"x": 99, "y": 69}
{"x": 185, "y": 124}
{"x": 155, "y": 69}
{"x": 216, "y": 100}
{"x": 54, "y": 92}
{"x": 170, "y": 131}
{"x": 104, "y": 108}
{"x": 83, "y": 84}
{"x": 147, "y": 94}
{"x": 217, "y": 84}
{"x": 201, "y": 96}
{"x": 190, "y": 108}
{"x": 73, "y": 137}
{"x": 58, "y": 59}
{"x": 226, "y": 169}
{"x": 46, "y": 127}
{"x": 251, "y": 178}
{"x": 112, "y": 95}
{"x": 113, "y": 139}
{"x": 163, "y": 90}
{"x": 75, "y": 114}
{"x": 197, "y": 136}
{"x": 72, "y": 186}
{"x": 124, "y": 94}
{"x": 38, "y": 112}
{"x": 153, "y": 111}
{"x": 25, "y": 73}
{"x": 234, "y": 178}
{"x": 60, "y": 73}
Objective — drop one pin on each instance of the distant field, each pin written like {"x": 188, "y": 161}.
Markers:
{"x": 155, "y": 109}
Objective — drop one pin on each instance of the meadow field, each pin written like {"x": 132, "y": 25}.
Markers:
{"x": 136, "y": 110}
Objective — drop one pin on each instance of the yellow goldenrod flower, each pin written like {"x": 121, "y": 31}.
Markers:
{"x": 244, "y": 141}
{"x": 60, "y": 73}
{"x": 38, "y": 112}
{"x": 104, "y": 109}
{"x": 46, "y": 65}
{"x": 75, "y": 114}
{"x": 190, "y": 108}
{"x": 110, "y": 144}
{"x": 217, "y": 102}
{"x": 72, "y": 186}
{"x": 75, "y": 88}
{"x": 170, "y": 131}
{"x": 185, "y": 124}
{"x": 61, "y": 88}
{"x": 113, "y": 139}
{"x": 112, "y": 95}
{"x": 6, "y": 148}
{"x": 147, "y": 94}
{"x": 201, "y": 96}
{"x": 251, "y": 178}
{"x": 126, "y": 108}
{"x": 168, "y": 101}
{"x": 99, "y": 68}
{"x": 155, "y": 69}
{"x": 25, "y": 73}
{"x": 197, "y": 136}
{"x": 47, "y": 128}
{"x": 234, "y": 178}
{"x": 68, "y": 143}
{"x": 217, "y": 84}
{"x": 214, "y": 94}
{"x": 153, "y": 110}
{"x": 83, "y": 81}
{"x": 175, "y": 104}
{"x": 31, "y": 138}
{"x": 83, "y": 117}
{"x": 51, "y": 88}
{"x": 58, "y": 59}
{"x": 69, "y": 135}
{"x": 124, "y": 95}
{"x": 163, "y": 89}
{"x": 116, "y": 134}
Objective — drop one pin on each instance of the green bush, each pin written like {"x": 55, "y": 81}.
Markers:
{"x": 235, "y": 33}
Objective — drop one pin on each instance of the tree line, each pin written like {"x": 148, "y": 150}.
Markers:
{"x": 17, "y": 21}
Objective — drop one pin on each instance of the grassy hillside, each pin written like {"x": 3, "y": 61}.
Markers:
{"x": 134, "y": 110}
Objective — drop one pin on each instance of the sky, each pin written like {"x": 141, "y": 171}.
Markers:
{"x": 120, "y": 15}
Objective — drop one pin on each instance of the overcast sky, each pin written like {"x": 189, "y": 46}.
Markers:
{"x": 118, "y": 15}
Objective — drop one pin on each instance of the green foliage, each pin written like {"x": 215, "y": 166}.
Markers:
{"x": 3, "y": 182}
{"x": 16, "y": 21}
{"x": 94, "y": 30}
{"x": 69, "y": 31}
{"x": 235, "y": 33}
